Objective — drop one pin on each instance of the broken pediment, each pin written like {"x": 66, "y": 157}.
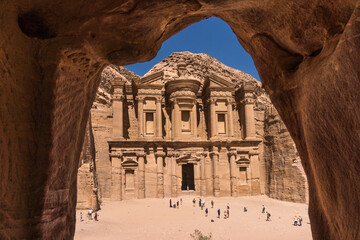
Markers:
{"x": 187, "y": 158}
{"x": 156, "y": 78}
{"x": 214, "y": 81}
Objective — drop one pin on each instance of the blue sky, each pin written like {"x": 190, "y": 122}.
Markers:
{"x": 211, "y": 36}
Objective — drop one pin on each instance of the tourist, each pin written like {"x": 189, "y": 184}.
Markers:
{"x": 263, "y": 209}
{"x": 180, "y": 201}
{"x": 96, "y": 216}
{"x": 206, "y": 212}
{"x": 268, "y": 215}
{"x": 203, "y": 202}
{"x": 89, "y": 214}
{"x": 199, "y": 202}
{"x": 245, "y": 209}
{"x": 177, "y": 204}
{"x": 295, "y": 221}
{"x": 300, "y": 221}
{"x": 212, "y": 204}
{"x": 228, "y": 213}
{"x": 174, "y": 206}
{"x": 81, "y": 217}
{"x": 194, "y": 201}
{"x": 170, "y": 203}
{"x": 219, "y": 213}
{"x": 225, "y": 214}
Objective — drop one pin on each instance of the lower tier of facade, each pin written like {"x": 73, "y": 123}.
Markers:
{"x": 151, "y": 171}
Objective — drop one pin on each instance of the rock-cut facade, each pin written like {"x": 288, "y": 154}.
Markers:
{"x": 183, "y": 135}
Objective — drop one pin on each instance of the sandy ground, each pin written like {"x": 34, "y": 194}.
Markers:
{"x": 154, "y": 219}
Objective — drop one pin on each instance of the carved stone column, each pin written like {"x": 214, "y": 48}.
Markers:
{"x": 212, "y": 118}
{"x": 173, "y": 174}
{"x": 230, "y": 118}
{"x": 141, "y": 174}
{"x": 141, "y": 115}
{"x": 160, "y": 172}
{"x": 118, "y": 109}
{"x": 158, "y": 118}
{"x": 202, "y": 156}
{"x": 255, "y": 172}
{"x": 194, "y": 120}
{"x": 249, "y": 119}
{"x": 233, "y": 171}
{"x": 176, "y": 120}
{"x": 215, "y": 160}
{"x": 116, "y": 176}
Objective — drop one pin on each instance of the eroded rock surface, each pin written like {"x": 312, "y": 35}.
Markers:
{"x": 278, "y": 180}
{"x": 52, "y": 52}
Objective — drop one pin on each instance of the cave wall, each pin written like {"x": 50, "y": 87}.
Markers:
{"x": 51, "y": 52}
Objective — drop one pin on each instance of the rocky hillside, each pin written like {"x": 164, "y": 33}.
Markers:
{"x": 282, "y": 174}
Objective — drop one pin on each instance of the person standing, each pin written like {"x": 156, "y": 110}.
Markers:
{"x": 228, "y": 213}
{"x": 81, "y": 217}
{"x": 295, "y": 221}
{"x": 263, "y": 209}
{"x": 203, "y": 202}
{"x": 170, "y": 203}
{"x": 206, "y": 212}
{"x": 96, "y": 216}
{"x": 300, "y": 221}
{"x": 212, "y": 203}
{"x": 177, "y": 204}
{"x": 194, "y": 201}
{"x": 245, "y": 209}
{"x": 219, "y": 213}
{"x": 200, "y": 202}
{"x": 180, "y": 201}
{"x": 225, "y": 214}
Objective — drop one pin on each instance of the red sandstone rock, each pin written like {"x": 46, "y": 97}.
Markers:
{"x": 51, "y": 53}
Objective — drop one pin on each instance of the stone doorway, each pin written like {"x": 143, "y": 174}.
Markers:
{"x": 187, "y": 182}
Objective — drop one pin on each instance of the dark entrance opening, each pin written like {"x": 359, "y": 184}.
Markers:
{"x": 188, "y": 177}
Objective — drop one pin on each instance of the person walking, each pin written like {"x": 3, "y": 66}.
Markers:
{"x": 300, "y": 221}
{"x": 206, "y": 212}
{"x": 263, "y": 209}
{"x": 96, "y": 216}
{"x": 268, "y": 215}
{"x": 219, "y": 213}
{"x": 212, "y": 203}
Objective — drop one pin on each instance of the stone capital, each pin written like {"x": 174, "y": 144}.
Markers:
{"x": 160, "y": 154}
{"x": 140, "y": 98}
{"x": 232, "y": 153}
{"x": 116, "y": 154}
{"x": 214, "y": 153}
{"x": 118, "y": 97}
{"x": 212, "y": 100}
{"x": 253, "y": 152}
{"x": 140, "y": 154}
{"x": 201, "y": 154}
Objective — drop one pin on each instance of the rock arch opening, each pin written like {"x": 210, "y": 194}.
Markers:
{"x": 316, "y": 97}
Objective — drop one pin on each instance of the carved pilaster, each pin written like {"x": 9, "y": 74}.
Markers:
{"x": 141, "y": 174}
{"x": 233, "y": 171}
{"x": 202, "y": 156}
{"x": 116, "y": 176}
{"x": 215, "y": 160}
{"x": 160, "y": 173}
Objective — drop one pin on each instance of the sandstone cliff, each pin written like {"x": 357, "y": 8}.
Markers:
{"x": 282, "y": 174}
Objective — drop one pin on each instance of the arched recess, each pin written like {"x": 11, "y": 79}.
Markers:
{"x": 306, "y": 53}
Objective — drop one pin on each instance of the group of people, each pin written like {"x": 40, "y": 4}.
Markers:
{"x": 175, "y": 205}
{"x": 298, "y": 221}
{"x": 90, "y": 215}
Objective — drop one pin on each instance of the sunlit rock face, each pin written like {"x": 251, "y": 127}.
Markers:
{"x": 51, "y": 54}
{"x": 281, "y": 173}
